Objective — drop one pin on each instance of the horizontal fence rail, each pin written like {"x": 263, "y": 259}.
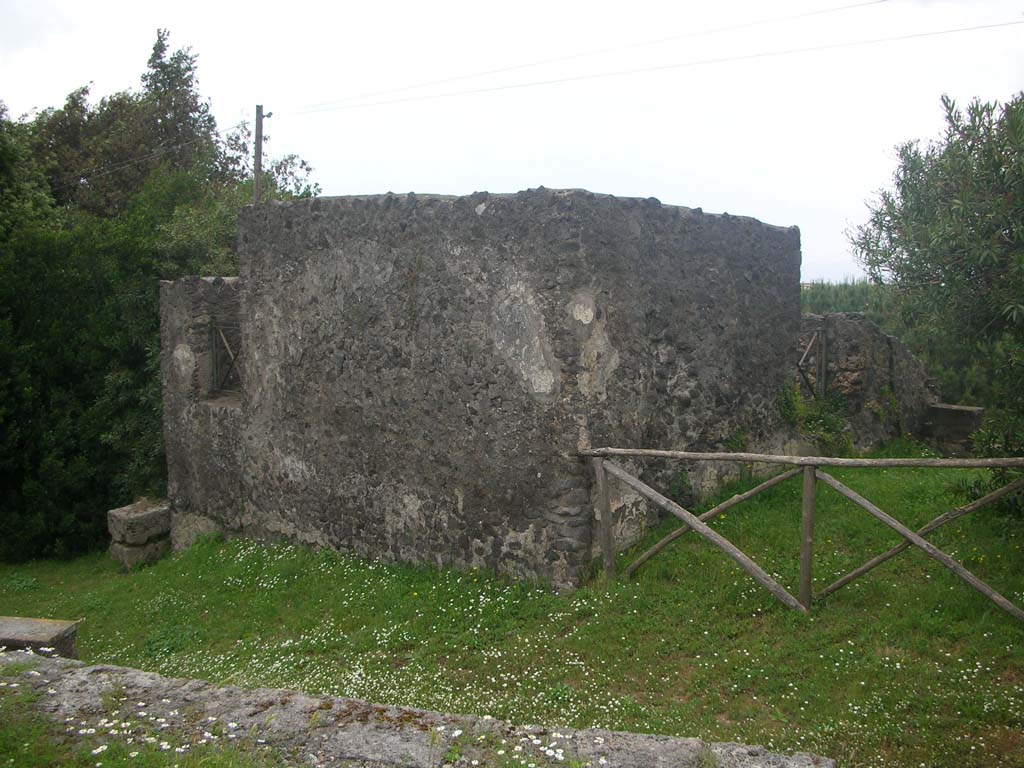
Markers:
{"x": 805, "y": 461}
{"x": 808, "y": 467}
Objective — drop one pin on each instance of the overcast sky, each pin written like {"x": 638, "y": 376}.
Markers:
{"x": 798, "y": 138}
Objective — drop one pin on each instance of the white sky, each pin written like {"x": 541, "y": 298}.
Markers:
{"x": 799, "y": 139}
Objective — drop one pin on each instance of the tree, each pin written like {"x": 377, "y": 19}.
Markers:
{"x": 99, "y": 157}
{"x": 949, "y": 238}
{"x": 97, "y": 204}
{"x": 24, "y": 193}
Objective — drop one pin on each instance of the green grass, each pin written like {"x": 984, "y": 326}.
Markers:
{"x": 907, "y": 666}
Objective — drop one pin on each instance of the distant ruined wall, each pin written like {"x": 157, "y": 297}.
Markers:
{"x": 418, "y": 372}
{"x": 887, "y": 391}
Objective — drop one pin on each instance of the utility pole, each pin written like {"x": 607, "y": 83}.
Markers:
{"x": 258, "y": 164}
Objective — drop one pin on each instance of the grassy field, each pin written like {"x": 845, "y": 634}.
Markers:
{"x": 906, "y": 667}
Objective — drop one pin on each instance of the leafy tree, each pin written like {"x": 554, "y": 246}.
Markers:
{"x": 948, "y": 237}
{"x": 99, "y": 157}
{"x": 24, "y": 193}
{"x": 97, "y": 204}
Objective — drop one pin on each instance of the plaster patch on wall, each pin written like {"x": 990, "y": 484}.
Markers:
{"x": 599, "y": 360}
{"x": 583, "y": 432}
{"x": 520, "y": 337}
{"x": 406, "y": 515}
{"x": 583, "y": 307}
{"x": 295, "y": 469}
{"x": 184, "y": 362}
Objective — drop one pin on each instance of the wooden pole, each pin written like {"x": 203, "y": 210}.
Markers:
{"x": 711, "y": 513}
{"x": 938, "y": 522}
{"x": 715, "y": 538}
{"x": 803, "y": 461}
{"x": 823, "y": 358}
{"x": 807, "y": 537}
{"x": 258, "y": 159}
{"x": 929, "y": 549}
{"x": 604, "y": 521}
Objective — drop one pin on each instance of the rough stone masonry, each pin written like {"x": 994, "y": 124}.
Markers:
{"x": 415, "y": 374}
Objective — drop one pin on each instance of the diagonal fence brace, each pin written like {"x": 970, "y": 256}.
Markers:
{"x": 929, "y": 549}
{"x": 744, "y": 562}
{"x": 938, "y": 522}
{"x": 710, "y": 514}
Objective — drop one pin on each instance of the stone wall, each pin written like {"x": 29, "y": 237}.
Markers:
{"x": 418, "y": 372}
{"x": 202, "y": 427}
{"x": 887, "y": 391}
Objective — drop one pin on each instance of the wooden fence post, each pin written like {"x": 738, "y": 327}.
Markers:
{"x": 822, "y": 381}
{"x": 604, "y": 510}
{"x": 807, "y": 536}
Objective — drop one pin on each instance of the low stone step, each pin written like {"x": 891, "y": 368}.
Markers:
{"x": 17, "y": 632}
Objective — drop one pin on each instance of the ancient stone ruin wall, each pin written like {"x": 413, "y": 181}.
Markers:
{"x": 202, "y": 427}
{"x": 887, "y": 391}
{"x": 418, "y": 372}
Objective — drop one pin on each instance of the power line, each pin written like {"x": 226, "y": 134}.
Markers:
{"x": 324, "y": 106}
{"x": 666, "y": 67}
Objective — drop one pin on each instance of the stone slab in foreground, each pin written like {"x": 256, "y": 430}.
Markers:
{"x": 17, "y": 632}
{"x": 322, "y": 730}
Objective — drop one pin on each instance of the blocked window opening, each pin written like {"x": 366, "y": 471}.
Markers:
{"x": 226, "y": 343}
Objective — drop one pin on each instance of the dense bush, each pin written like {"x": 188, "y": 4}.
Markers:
{"x": 97, "y": 204}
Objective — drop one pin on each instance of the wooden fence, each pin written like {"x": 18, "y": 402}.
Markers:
{"x": 810, "y": 468}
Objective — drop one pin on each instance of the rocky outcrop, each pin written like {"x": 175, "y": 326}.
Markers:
{"x": 321, "y": 730}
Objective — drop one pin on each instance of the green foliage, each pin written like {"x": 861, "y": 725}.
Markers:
{"x": 1002, "y": 429}
{"x": 850, "y": 295}
{"x": 947, "y": 242}
{"x": 24, "y": 193}
{"x": 823, "y": 419}
{"x": 97, "y": 204}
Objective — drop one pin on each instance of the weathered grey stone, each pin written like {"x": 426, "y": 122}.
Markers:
{"x": 325, "y": 729}
{"x": 417, "y": 373}
{"x": 130, "y": 556}
{"x": 54, "y": 635}
{"x": 887, "y": 391}
{"x": 140, "y": 522}
{"x": 202, "y": 428}
{"x": 187, "y": 527}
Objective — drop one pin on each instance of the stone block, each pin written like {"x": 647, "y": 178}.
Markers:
{"x": 139, "y": 523}
{"x": 18, "y": 633}
{"x": 130, "y": 556}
